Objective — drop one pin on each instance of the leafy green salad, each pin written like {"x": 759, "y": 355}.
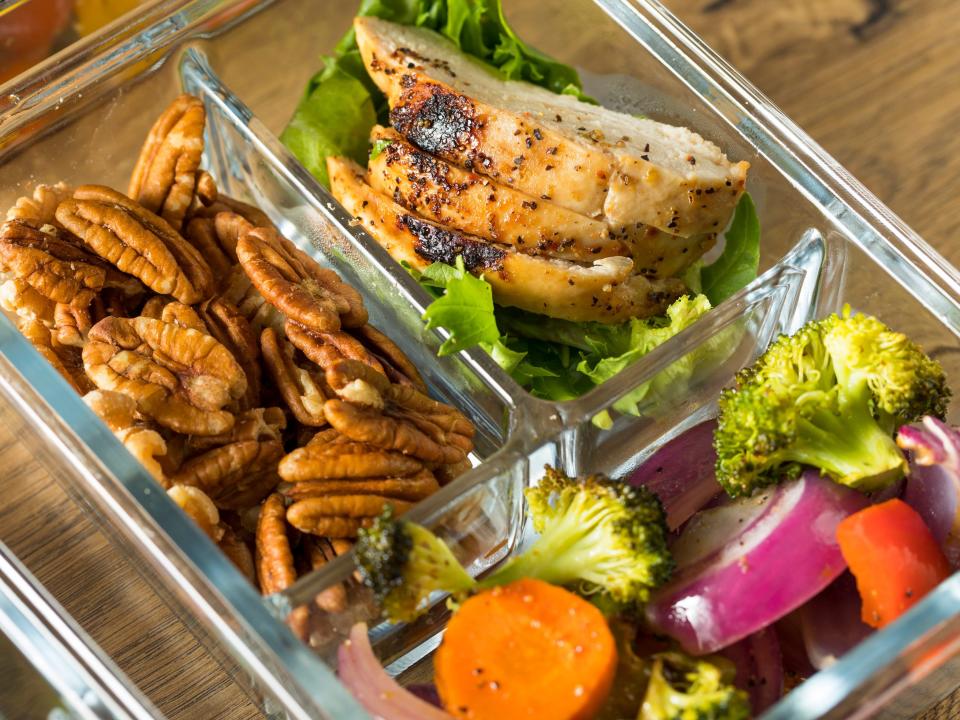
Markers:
{"x": 554, "y": 359}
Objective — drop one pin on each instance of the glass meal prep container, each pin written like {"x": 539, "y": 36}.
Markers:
{"x": 49, "y": 667}
{"x": 826, "y": 241}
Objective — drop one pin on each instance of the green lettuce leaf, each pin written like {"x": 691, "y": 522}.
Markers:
{"x": 341, "y": 103}
{"x": 740, "y": 259}
{"x": 554, "y": 359}
{"x": 645, "y": 335}
{"x": 378, "y": 147}
{"x": 333, "y": 118}
{"x": 465, "y": 310}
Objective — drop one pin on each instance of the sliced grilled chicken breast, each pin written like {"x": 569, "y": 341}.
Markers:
{"x": 477, "y": 205}
{"x": 587, "y": 158}
{"x": 605, "y": 291}
{"x": 483, "y": 207}
{"x": 658, "y": 254}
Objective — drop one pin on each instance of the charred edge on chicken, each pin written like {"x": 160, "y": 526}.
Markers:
{"x": 434, "y": 118}
{"x": 437, "y": 244}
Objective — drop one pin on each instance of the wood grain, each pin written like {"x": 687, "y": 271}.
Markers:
{"x": 104, "y": 593}
{"x": 873, "y": 81}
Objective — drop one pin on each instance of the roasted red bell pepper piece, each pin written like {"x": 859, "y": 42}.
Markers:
{"x": 894, "y": 557}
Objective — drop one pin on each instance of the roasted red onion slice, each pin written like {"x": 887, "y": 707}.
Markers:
{"x": 933, "y": 488}
{"x": 831, "y": 622}
{"x": 380, "y": 695}
{"x": 681, "y": 473}
{"x": 759, "y": 668}
{"x": 743, "y": 565}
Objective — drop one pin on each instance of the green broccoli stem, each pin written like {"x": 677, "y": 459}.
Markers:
{"x": 431, "y": 557}
{"x": 566, "y": 551}
{"x": 851, "y": 447}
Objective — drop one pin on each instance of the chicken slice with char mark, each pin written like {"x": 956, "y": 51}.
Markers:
{"x": 479, "y": 206}
{"x": 469, "y": 202}
{"x": 587, "y": 158}
{"x": 606, "y": 291}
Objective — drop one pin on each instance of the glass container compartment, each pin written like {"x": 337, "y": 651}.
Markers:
{"x": 826, "y": 242}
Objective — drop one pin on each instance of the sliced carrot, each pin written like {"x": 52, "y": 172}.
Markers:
{"x": 525, "y": 650}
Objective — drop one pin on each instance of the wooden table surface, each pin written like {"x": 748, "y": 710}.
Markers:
{"x": 874, "y": 81}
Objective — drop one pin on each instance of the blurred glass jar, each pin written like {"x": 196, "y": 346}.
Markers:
{"x": 35, "y": 29}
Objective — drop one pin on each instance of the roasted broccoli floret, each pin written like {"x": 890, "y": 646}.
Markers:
{"x": 403, "y": 563}
{"x": 830, "y": 396}
{"x": 606, "y": 539}
{"x": 601, "y": 537}
{"x": 684, "y": 688}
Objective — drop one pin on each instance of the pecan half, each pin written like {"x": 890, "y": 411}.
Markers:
{"x": 40, "y": 208}
{"x": 275, "y": 568}
{"x": 240, "y": 292}
{"x": 397, "y": 366}
{"x": 296, "y": 285}
{"x": 317, "y": 461}
{"x": 165, "y": 176}
{"x": 327, "y": 348}
{"x": 200, "y": 231}
{"x": 197, "y": 505}
{"x": 334, "y": 527}
{"x": 258, "y": 424}
{"x": 235, "y": 476}
{"x": 117, "y": 410}
{"x": 137, "y": 242}
{"x": 62, "y": 359}
{"x": 300, "y": 385}
{"x": 119, "y": 413}
{"x": 339, "y": 516}
{"x": 358, "y": 382}
{"x": 231, "y": 329}
{"x": 178, "y": 376}
{"x": 206, "y": 193}
{"x": 160, "y": 307}
{"x": 368, "y": 425}
{"x": 147, "y": 446}
{"x": 72, "y": 323}
{"x": 274, "y": 559}
{"x": 226, "y": 204}
{"x": 55, "y": 266}
{"x": 19, "y": 297}
{"x": 228, "y": 227}
{"x": 176, "y": 313}
{"x": 372, "y": 410}
{"x": 153, "y": 308}
{"x": 343, "y": 446}
{"x": 412, "y": 404}
{"x": 238, "y": 552}
{"x": 320, "y": 551}
{"x": 446, "y": 474}
{"x": 413, "y": 488}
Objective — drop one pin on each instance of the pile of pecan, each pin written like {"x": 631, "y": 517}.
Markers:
{"x": 242, "y": 374}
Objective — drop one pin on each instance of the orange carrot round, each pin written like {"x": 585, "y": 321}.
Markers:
{"x": 525, "y": 650}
